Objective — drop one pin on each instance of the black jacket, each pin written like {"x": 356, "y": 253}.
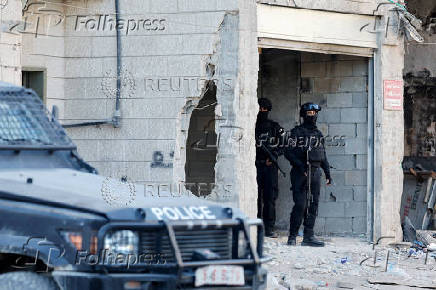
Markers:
{"x": 270, "y": 134}
{"x": 301, "y": 139}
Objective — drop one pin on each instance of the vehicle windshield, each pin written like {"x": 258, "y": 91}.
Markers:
{"x": 18, "y": 126}
{"x": 24, "y": 122}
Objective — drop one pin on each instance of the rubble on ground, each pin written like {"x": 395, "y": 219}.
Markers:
{"x": 348, "y": 263}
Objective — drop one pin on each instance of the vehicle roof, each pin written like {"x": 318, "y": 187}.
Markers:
{"x": 79, "y": 189}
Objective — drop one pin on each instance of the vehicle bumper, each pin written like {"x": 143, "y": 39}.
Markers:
{"x": 175, "y": 275}
{"x": 132, "y": 281}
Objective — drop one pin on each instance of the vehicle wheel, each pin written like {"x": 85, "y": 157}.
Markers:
{"x": 26, "y": 280}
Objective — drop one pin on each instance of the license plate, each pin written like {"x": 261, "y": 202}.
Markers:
{"x": 220, "y": 275}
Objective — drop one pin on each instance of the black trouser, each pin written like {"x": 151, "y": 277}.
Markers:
{"x": 299, "y": 189}
{"x": 267, "y": 179}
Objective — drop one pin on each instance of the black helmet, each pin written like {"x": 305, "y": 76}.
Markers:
{"x": 265, "y": 103}
{"x": 309, "y": 107}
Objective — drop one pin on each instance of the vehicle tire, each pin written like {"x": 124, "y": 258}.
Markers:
{"x": 26, "y": 280}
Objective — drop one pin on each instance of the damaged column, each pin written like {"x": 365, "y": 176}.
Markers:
{"x": 388, "y": 130}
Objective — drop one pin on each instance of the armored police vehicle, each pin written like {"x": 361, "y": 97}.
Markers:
{"x": 62, "y": 226}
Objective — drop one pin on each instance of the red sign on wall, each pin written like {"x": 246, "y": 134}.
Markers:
{"x": 393, "y": 95}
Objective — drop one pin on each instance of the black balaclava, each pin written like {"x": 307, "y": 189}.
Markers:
{"x": 262, "y": 116}
{"x": 265, "y": 104}
{"x": 310, "y": 120}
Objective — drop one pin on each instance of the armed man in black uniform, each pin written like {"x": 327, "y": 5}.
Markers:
{"x": 306, "y": 153}
{"x": 267, "y": 133}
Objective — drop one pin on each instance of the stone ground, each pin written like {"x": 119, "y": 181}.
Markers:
{"x": 337, "y": 266}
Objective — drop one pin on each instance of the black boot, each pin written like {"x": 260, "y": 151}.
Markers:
{"x": 271, "y": 234}
{"x": 311, "y": 241}
{"x": 292, "y": 241}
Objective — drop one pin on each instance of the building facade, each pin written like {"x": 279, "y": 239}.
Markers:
{"x": 165, "y": 93}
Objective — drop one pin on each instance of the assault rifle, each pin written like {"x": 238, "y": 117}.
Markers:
{"x": 272, "y": 158}
{"x": 309, "y": 197}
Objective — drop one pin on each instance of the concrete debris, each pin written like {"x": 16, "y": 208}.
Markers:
{"x": 345, "y": 285}
{"x": 321, "y": 270}
{"x": 393, "y": 279}
{"x": 298, "y": 266}
{"x": 273, "y": 284}
{"x": 338, "y": 265}
{"x": 303, "y": 284}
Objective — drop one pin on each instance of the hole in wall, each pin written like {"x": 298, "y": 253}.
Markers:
{"x": 201, "y": 145}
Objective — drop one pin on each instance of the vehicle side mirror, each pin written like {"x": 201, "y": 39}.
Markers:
{"x": 54, "y": 113}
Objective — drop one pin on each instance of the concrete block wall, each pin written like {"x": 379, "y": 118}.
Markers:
{"x": 339, "y": 85}
{"x": 154, "y": 92}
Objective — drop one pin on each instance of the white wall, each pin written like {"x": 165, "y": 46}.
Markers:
{"x": 10, "y": 42}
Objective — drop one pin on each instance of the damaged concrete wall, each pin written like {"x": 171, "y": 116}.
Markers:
{"x": 201, "y": 145}
{"x": 388, "y": 137}
{"x": 10, "y": 42}
{"x": 420, "y": 116}
{"x": 245, "y": 107}
{"x": 420, "y": 56}
{"x": 170, "y": 51}
{"x": 163, "y": 68}
{"x": 420, "y": 84}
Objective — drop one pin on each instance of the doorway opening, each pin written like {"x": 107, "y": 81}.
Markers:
{"x": 338, "y": 83}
